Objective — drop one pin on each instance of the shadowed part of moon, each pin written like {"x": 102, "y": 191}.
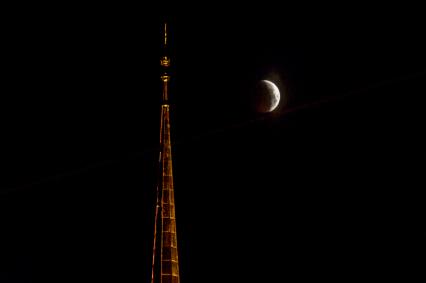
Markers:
{"x": 267, "y": 96}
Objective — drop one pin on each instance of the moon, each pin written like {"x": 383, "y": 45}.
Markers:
{"x": 267, "y": 96}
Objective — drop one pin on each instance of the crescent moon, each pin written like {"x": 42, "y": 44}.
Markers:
{"x": 275, "y": 93}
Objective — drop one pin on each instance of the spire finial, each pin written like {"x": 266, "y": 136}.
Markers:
{"x": 165, "y": 61}
{"x": 165, "y": 33}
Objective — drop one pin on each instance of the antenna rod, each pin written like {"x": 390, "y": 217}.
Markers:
{"x": 165, "y": 34}
{"x": 165, "y": 64}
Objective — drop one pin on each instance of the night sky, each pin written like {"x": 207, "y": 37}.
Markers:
{"x": 328, "y": 186}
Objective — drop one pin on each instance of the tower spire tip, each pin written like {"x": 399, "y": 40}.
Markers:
{"x": 165, "y": 33}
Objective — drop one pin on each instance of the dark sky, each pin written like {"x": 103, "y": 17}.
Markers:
{"x": 329, "y": 185}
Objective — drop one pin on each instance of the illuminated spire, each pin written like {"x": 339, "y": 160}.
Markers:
{"x": 165, "y": 265}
